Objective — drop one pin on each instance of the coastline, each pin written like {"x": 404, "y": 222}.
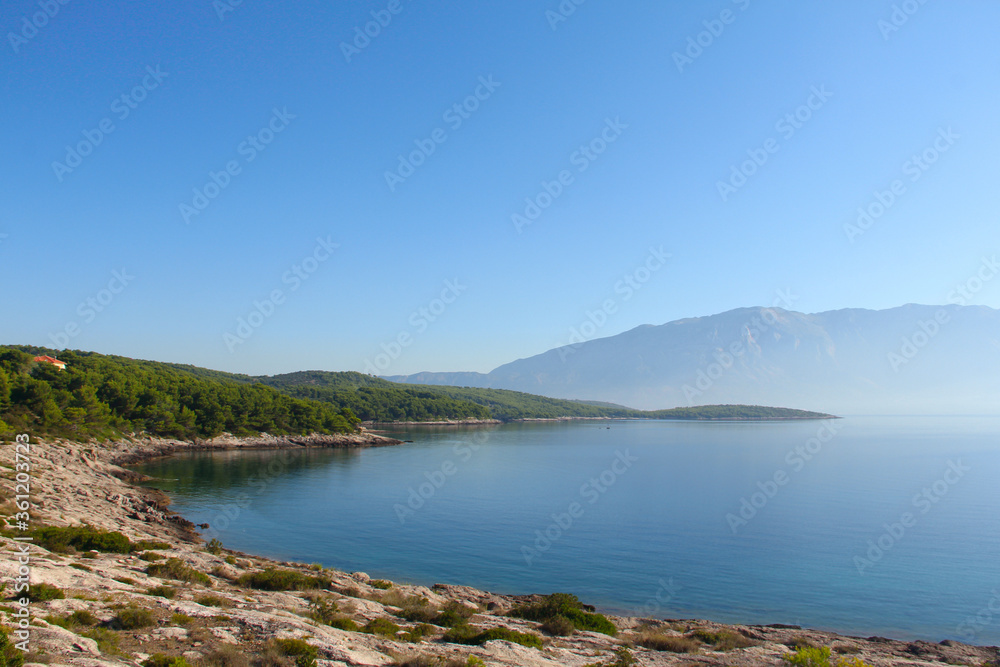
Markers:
{"x": 75, "y": 483}
{"x": 387, "y": 426}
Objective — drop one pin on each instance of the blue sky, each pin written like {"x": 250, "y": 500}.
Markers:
{"x": 641, "y": 126}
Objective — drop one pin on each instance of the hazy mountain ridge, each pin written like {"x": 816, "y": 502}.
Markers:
{"x": 909, "y": 359}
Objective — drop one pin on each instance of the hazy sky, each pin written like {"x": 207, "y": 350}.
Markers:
{"x": 170, "y": 168}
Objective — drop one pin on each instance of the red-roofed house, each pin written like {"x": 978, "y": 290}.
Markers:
{"x": 61, "y": 365}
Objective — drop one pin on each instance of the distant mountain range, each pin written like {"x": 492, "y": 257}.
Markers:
{"x": 913, "y": 359}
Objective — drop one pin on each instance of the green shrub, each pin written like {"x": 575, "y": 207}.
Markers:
{"x": 10, "y": 655}
{"x": 344, "y": 623}
{"x": 163, "y": 592}
{"x": 107, "y": 641}
{"x": 569, "y": 607}
{"x": 661, "y": 642}
{"x": 810, "y": 656}
{"x": 57, "y": 620}
{"x": 214, "y": 546}
{"x": 380, "y": 584}
{"x": 461, "y": 634}
{"x": 417, "y": 610}
{"x": 213, "y": 601}
{"x": 152, "y": 545}
{"x": 175, "y": 568}
{"x": 323, "y": 610}
{"x": 231, "y": 559}
{"x": 304, "y": 653}
{"x": 623, "y": 658}
{"x": 133, "y": 618}
{"x": 82, "y": 617}
{"x": 466, "y": 634}
{"x": 453, "y": 614}
{"x": 226, "y": 655}
{"x": 417, "y": 661}
{"x": 161, "y": 660}
{"x": 381, "y": 626}
{"x": 558, "y": 626}
{"x": 44, "y": 593}
{"x": 151, "y": 556}
{"x": 82, "y": 538}
{"x": 418, "y": 632}
{"x": 273, "y": 579}
{"x": 819, "y": 656}
{"x": 723, "y": 640}
{"x": 178, "y": 618}
{"x": 523, "y": 638}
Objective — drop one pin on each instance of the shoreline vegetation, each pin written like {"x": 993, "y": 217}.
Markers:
{"x": 117, "y": 579}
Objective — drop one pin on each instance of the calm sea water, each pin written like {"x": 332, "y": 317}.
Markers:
{"x": 887, "y": 526}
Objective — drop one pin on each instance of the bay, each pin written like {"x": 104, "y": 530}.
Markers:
{"x": 864, "y": 525}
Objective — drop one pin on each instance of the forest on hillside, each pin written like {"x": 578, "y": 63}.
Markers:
{"x": 103, "y": 396}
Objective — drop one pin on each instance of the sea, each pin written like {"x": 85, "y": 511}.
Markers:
{"x": 864, "y": 525}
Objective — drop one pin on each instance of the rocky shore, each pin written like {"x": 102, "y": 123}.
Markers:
{"x": 175, "y": 596}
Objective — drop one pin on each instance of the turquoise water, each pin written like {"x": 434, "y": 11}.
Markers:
{"x": 645, "y": 517}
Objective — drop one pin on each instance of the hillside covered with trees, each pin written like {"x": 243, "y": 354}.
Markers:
{"x": 102, "y": 396}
